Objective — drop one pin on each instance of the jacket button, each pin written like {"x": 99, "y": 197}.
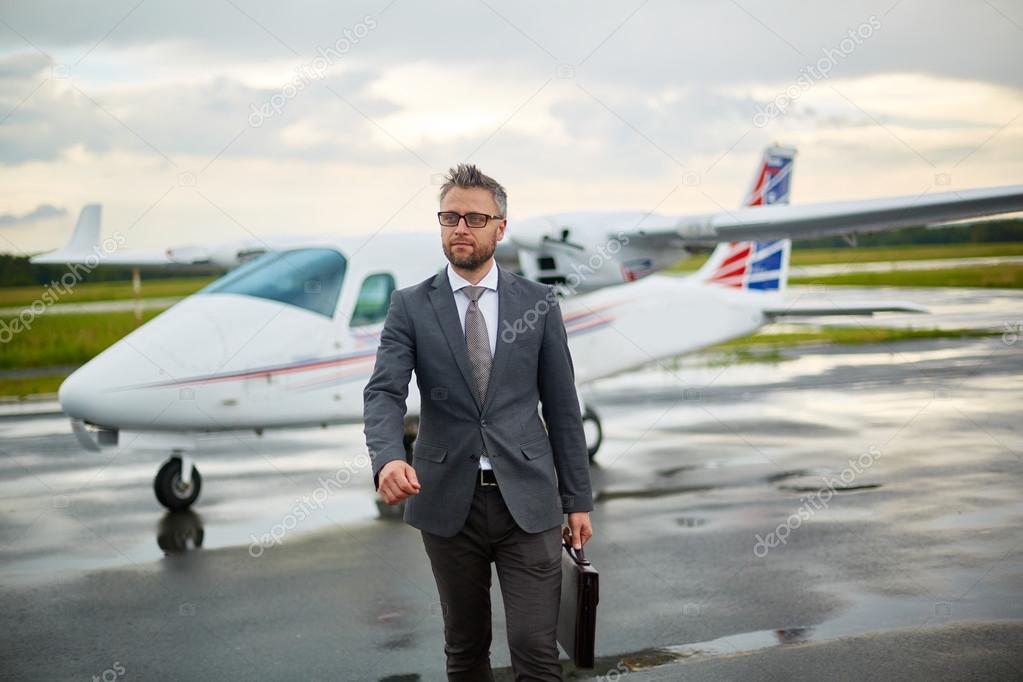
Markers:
{"x": 474, "y": 457}
{"x": 483, "y": 423}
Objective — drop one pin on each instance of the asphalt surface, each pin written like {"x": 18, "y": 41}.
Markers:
{"x": 849, "y": 513}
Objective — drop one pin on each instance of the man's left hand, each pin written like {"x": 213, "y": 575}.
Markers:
{"x": 579, "y": 526}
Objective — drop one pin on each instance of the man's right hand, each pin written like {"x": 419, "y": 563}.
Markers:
{"x": 397, "y": 481}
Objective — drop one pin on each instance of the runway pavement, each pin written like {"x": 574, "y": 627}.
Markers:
{"x": 849, "y": 513}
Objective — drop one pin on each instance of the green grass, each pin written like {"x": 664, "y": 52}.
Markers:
{"x": 23, "y": 387}
{"x": 84, "y": 292}
{"x": 849, "y": 336}
{"x": 64, "y": 339}
{"x": 1007, "y": 276}
{"x": 877, "y": 254}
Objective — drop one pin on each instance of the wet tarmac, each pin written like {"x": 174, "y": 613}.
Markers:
{"x": 848, "y": 513}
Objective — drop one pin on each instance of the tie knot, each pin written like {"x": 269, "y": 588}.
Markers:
{"x": 473, "y": 293}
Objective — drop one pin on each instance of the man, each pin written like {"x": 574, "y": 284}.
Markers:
{"x": 489, "y": 481}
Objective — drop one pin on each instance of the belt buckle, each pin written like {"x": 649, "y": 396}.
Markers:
{"x": 483, "y": 481}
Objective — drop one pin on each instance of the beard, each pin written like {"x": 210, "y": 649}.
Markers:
{"x": 479, "y": 255}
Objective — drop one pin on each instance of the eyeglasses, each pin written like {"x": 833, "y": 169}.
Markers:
{"x": 450, "y": 219}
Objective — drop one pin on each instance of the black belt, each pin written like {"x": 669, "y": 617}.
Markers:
{"x": 486, "y": 478}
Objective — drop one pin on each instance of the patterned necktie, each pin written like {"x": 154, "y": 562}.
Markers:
{"x": 477, "y": 340}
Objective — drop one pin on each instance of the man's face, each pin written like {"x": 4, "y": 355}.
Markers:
{"x": 469, "y": 247}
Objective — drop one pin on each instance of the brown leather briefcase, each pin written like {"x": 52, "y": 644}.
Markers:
{"x": 577, "y": 618}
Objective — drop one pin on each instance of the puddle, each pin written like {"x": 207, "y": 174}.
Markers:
{"x": 605, "y": 495}
{"x": 673, "y": 471}
{"x": 867, "y": 613}
{"x": 783, "y": 475}
{"x": 647, "y": 659}
{"x": 836, "y": 488}
{"x": 812, "y": 481}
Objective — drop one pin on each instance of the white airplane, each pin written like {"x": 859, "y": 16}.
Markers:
{"x": 289, "y": 338}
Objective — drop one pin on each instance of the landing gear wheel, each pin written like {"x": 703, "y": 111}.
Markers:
{"x": 169, "y": 489}
{"x": 593, "y": 431}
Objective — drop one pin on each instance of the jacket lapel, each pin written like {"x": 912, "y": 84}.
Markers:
{"x": 443, "y": 301}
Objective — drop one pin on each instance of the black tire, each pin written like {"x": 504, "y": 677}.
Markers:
{"x": 168, "y": 489}
{"x": 589, "y": 415}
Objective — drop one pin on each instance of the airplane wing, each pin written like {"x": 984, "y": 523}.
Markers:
{"x": 86, "y": 247}
{"x": 837, "y": 218}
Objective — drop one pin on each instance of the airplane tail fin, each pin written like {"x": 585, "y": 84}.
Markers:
{"x": 772, "y": 182}
{"x": 86, "y": 247}
{"x": 86, "y": 234}
{"x": 757, "y": 265}
{"x": 83, "y": 239}
{"x": 750, "y": 265}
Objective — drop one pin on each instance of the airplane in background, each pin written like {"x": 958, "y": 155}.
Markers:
{"x": 288, "y": 337}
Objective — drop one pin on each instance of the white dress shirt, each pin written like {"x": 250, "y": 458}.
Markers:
{"x": 488, "y": 306}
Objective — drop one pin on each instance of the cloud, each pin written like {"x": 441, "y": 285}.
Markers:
{"x": 39, "y": 213}
{"x": 602, "y": 109}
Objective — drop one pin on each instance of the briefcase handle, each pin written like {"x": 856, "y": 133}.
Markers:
{"x": 577, "y": 555}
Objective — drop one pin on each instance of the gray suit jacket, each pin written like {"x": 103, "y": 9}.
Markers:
{"x": 542, "y": 467}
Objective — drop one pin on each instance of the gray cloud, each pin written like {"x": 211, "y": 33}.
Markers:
{"x": 40, "y": 212}
{"x": 648, "y": 85}
{"x": 649, "y": 43}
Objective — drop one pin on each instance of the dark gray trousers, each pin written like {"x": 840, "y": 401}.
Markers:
{"x": 529, "y": 571}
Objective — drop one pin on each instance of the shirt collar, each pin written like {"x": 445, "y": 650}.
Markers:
{"x": 457, "y": 281}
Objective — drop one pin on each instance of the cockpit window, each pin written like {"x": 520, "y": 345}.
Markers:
{"x": 307, "y": 278}
{"x": 374, "y": 299}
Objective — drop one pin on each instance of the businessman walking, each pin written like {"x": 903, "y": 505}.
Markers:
{"x": 489, "y": 480}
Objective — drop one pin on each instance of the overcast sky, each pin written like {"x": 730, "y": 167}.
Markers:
{"x": 202, "y": 121}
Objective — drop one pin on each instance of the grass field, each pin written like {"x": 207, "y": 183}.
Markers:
{"x": 1008, "y": 276}
{"x": 878, "y": 254}
{"x": 65, "y": 339}
{"x": 24, "y": 387}
{"x": 86, "y": 292}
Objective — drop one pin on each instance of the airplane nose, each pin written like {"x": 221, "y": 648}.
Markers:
{"x": 131, "y": 384}
{"x": 104, "y": 390}
{"x": 190, "y": 368}
{"x": 73, "y": 396}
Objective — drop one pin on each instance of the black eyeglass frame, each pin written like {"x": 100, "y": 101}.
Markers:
{"x": 465, "y": 216}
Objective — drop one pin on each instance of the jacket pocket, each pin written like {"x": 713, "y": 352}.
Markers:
{"x": 434, "y": 453}
{"x": 536, "y": 448}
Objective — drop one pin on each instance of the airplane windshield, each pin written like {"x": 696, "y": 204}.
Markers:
{"x": 307, "y": 278}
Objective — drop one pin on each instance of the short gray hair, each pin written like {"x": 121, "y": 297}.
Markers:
{"x": 467, "y": 175}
